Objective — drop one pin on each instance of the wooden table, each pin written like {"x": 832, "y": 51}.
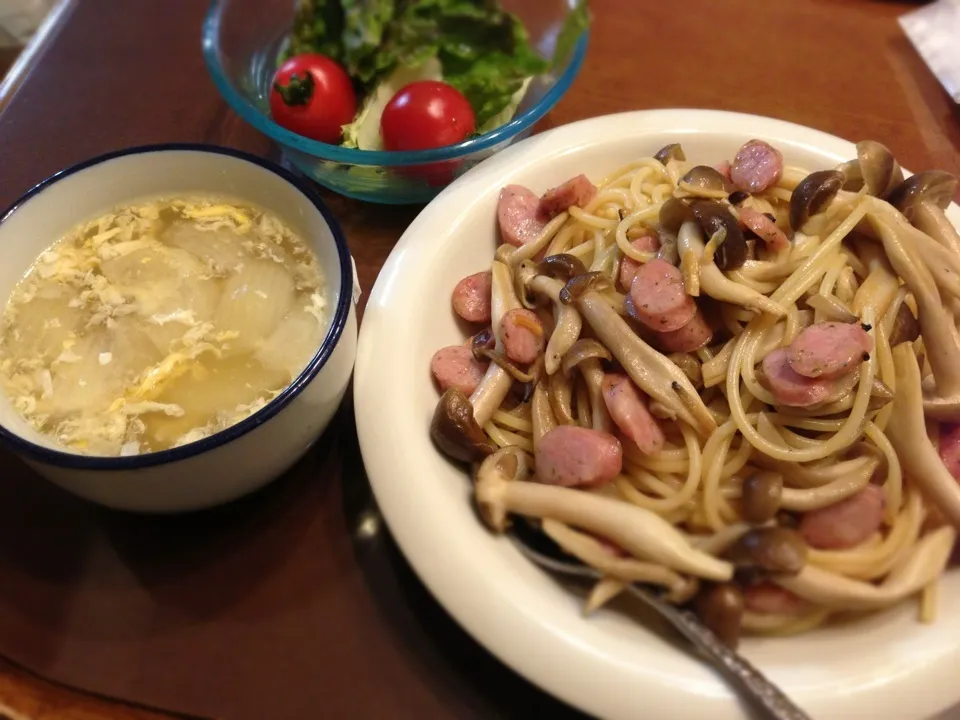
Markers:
{"x": 113, "y": 74}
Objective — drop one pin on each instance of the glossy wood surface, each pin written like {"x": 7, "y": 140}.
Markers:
{"x": 123, "y": 73}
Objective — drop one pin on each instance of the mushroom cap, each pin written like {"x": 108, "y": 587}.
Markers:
{"x": 720, "y": 607}
{"x": 579, "y": 284}
{"x": 674, "y": 213}
{"x": 880, "y": 171}
{"x": 704, "y": 177}
{"x": 713, "y": 217}
{"x": 774, "y": 549}
{"x": 932, "y": 186}
{"x": 455, "y": 430}
{"x": 812, "y": 195}
{"x": 673, "y": 151}
{"x": 563, "y": 266}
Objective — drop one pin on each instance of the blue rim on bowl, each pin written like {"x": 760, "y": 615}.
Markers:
{"x": 339, "y": 321}
{"x": 256, "y": 117}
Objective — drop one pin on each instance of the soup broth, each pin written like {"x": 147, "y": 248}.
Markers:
{"x": 160, "y": 323}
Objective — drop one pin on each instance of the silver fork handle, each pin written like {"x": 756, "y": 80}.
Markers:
{"x": 763, "y": 694}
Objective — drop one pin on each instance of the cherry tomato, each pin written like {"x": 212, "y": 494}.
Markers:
{"x": 426, "y": 114}
{"x": 313, "y": 96}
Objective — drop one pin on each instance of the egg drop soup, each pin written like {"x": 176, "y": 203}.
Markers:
{"x": 160, "y": 323}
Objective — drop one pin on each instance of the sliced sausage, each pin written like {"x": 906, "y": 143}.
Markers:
{"x": 950, "y": 448}
{"x": 767, "y": 598}
{"x": 764, "y": 228}
{"x": 647, "y": 243}
{"x": 522, "y": 335}
{"x": 659, "y": 298}
{"x": 628, "y": 410}
{"x": 829, "y": 349}
{"x": 575, "y": 191}
{"x": 472, "y": 297}
{"x": 758, "y": 166}
{"x": 845, "y": 524}
{"x": 518, "y": 212}
{"x": 692, "y": 336}
{"x": 573, "y": 456}
{"x": 724, "y": 169}
{"x": 456, "y": 367}
{"x": 791, "y": 388}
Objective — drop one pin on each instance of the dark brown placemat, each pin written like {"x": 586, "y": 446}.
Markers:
{"x": 277, "y": 606}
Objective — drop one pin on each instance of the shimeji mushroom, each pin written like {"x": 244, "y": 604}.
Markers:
{"x": 566, "y": 331}
{"x": 585, "y": 357}
{"x": 717, "y": 285}
{"x": 653, "y": 372}
{"x": 673, "y": 159}
{"x": 907, "y": 433}
{"x": 501, "y": 489}
{"x": 941, "y": 398}
{"x": 457, "y": 422}
{"x": 589, "y": 550}
{"x": 495, "y": 385}
{"x": 875, "y": 170}
{"x": 705, "y": 182}
{"x": 922, "y": 198}
{"x": 926, "y": 562}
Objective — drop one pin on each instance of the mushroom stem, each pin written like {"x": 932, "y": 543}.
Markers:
{"x": 925, "y": 563}
{"x": 496, "y": 383}
{"x": 653, "y": 373}
{"x": 907, "y": 433}
{"x": 590, "y": 551}
{"x": 930, "y": 219}
{"x": 541, "y": 413}
{"x": 568, "y": 325}
{"x": 717, "y": 285}
{"x": 643, "y": 534}
{"x": 531, "y": 249}
{"x": 593, "y": 377}
{"x": 940, "y": 337}
{"x": 561, "y": 398}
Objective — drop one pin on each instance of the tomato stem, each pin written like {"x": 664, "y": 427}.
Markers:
{"x": 297, "y": 91}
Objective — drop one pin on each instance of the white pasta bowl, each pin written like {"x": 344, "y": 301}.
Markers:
{"x": 886, "y": 666}
{"x": 259, "y": 448}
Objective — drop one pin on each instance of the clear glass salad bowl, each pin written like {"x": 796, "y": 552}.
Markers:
{"x": 242, "y": 40}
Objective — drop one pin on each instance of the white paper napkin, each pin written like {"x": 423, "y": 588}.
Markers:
{"x": 935, "y": 31}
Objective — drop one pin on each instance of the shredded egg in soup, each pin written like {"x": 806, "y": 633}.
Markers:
{"x": 160, "y": 323}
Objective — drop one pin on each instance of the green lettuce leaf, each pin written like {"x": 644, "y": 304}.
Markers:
{"x": 366, "y": 22}
{"x": 317, "y": 27}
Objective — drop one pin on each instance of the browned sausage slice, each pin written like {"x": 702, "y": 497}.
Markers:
{"x": 628, "y": 409}
{"x": 766, "y": 598}
{"x": 758, "y": 166}
{"x": 791, "y": 388}
{"x": 646, "y": 243}
{"x": 950, "y": 448}
{"x": 522, "y": 334}
{"x": 456, "y": 367}
{"x": 764, "y": 228}
{"x": 573, "y": 456}
{"x": 576, "y": 191}
{"x": 659, "y": 297}
{"x": 829, "y": 349}
{"x": 519, "y": 216}
{"x": 692, "y": 336}
{"x": 472, "y": 297}
{"x": 845, "y": 524}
